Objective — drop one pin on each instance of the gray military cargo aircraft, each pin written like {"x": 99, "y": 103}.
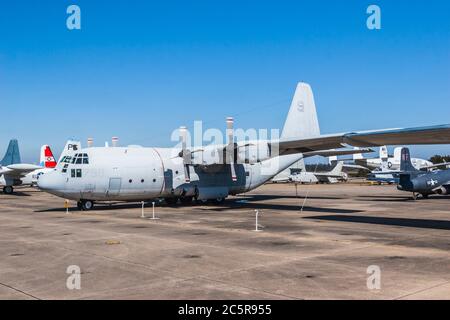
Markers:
{"x": 422, "y": 182}
{"x": 215, "y": 171}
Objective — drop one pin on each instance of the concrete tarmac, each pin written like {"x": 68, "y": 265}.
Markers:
{"x": 324, "y": 251}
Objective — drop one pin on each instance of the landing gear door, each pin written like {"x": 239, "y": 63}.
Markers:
{"x": 114, "y": 186}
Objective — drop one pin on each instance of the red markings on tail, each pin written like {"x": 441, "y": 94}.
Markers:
{"x": 49, "y": 159}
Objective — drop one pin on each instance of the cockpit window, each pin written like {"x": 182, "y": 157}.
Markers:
{"x": 67, "y": 159}
{"x": 80, "y": 158}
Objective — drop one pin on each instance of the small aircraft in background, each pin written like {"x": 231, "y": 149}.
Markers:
{"x": 387, "y": 162}
{"x": 297, "y": 173}
{"x": 14, "y": 173}
{"x": 422, "y": 182}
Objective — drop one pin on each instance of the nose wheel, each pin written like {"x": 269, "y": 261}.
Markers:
{"x": 85, "y": 205}
{"x": 8, "y": 190}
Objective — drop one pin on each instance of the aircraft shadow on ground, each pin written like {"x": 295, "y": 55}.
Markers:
{"x": 20, "y": 194}
{"x": 399, "y": 222}
{"x": 262, "y": 197}
{"x": 248, "y": 202}
{"x": 268, "y": 206}
{"x": 399, "y": 198}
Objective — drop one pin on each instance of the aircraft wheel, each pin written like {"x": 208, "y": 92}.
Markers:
{"x": 87, "y": 205}
{"x": 8, "y": 189}
{"x": 186, "y": 200}
{"x": 79, "y": 205}
{"x": 424, "y": 195}
{"x": 219, "y": 200}
{"x": 171, "y": 201}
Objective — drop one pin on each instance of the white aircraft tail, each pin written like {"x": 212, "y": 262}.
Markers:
{"x": 384, "y": 153}
{"x": 70, "y": 149}
{"x": 301, "y": 165}
{"x": 357, "y": 156}
{"x": 332, "y": 160}
{"x": 301, "y": 121}
{"x": 47, "y": 160}
{"x": 337, "y": 170}
{"x": 397, "y": 154}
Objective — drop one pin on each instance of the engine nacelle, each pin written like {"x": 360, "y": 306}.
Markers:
{"x": 208, "y": 155}
{"x": 253, "y": 152}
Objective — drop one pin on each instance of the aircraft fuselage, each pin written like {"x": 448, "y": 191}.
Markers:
{"x": 137, "y": 173}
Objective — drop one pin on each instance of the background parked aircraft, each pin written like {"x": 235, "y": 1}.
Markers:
{"x": 420, "y": 182}
{"x": 14, "y": 173}
{"x": 391, "y": 162}
{"x": 298, "y": 174}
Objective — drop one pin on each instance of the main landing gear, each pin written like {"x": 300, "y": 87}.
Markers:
{"x": 8, "y": 189}
{"x": 416, "y": 195}
{"x": 85, "y": 205}
{"x": 190, "y": 200}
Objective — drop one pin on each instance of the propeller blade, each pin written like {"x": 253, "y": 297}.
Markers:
{"x": 233, "y": 172}
{"x": 187, "y": 175}
{"x": 185, "y": 153}
{"x": 230, "y": 147}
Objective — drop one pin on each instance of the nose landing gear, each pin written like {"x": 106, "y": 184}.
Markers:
{"x": 8, "y": 189}
{"x": 85, "y": 205}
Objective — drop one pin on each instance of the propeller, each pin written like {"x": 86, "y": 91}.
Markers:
{"x": 185, "y": 153}
{"x": 230, "y": 147}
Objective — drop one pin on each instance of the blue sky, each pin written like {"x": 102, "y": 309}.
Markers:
{"x": 140, "y": 69}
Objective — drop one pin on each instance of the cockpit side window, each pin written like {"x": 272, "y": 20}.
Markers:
{"x": 80, "y": 158}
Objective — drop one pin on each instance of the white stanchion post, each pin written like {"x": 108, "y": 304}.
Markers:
{"x": 142, "y": 213}
{"x": 256, "y": 221}
{"x": 153, "y": 214}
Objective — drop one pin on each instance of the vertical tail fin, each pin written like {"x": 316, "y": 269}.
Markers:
{"x": 337, "y": 170}
{"x": 357, "y": 156}
{"x": 397, "y": 154}
{"x": 12, "y": 155}
{"x": 47, "y": 159}
{"x": 301, "y": 121}
{"x": 384, "y": 153}
{"x": 70, "y": 149}
{"x": 332, "y": 160}
{"x": 301, "y": 165}
{"x": 405, "y": 162}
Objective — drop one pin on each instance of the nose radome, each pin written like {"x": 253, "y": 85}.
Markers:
{"x": 48, "y": 181}
{"x": 43, "y": 181}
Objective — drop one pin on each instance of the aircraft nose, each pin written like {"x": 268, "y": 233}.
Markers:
{"x": 49, "y": 181}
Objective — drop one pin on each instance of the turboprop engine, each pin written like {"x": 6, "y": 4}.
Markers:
{"x": 212, "y": 158}
{"x": 253, "y": 152}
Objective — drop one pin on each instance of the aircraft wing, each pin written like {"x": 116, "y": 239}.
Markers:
{"x": 334, "y": 152}
{"x": 16, "y": 171}
{"x": 437, "y": 165}
{"x": 407, "y": 136}
{"x": 355, "y": 166}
